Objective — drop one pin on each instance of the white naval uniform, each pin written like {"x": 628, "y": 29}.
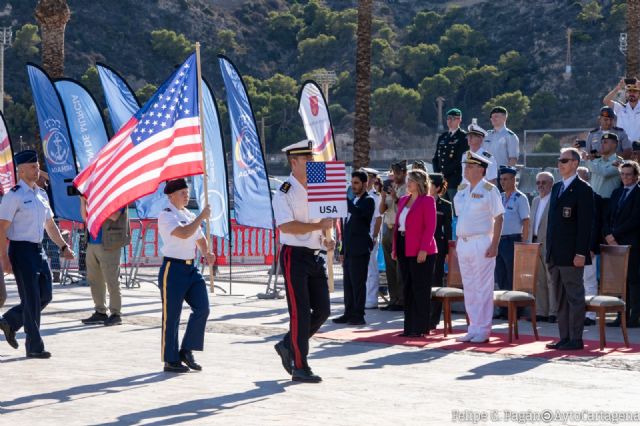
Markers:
{"x": 169, "y": 219}
{"x": 373, "y": 275}
{"x": 492, "y": 168}
{"x": 476, "y": 210}
{"x": 628, "y": 118}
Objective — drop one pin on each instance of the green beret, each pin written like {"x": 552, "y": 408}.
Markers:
{"x": 454, "y": 112}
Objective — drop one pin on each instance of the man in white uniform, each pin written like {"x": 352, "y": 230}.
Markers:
{"x": 627, "y": 114}
{"x": 475, "y": 137}
{"x": 480, "y": 212}
{"x": 373, "y": 275}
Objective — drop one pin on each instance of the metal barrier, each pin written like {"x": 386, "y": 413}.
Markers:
{"x": 251, "y": 246}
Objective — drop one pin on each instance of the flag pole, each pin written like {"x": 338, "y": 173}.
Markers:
{"x": 204, "y": 164}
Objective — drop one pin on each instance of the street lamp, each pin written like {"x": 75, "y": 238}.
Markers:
{"x": 5, "y": 41}
{"x": 326, "y": 79}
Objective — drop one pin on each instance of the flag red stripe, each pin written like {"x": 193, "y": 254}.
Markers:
{"x": 315, "y": 200}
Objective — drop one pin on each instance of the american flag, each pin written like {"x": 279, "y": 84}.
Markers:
{"x": 326, "y": 181}
{"x": 160, "y": 142}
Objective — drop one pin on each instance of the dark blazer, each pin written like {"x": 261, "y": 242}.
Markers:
{"x": 444, "y": 212}
{"x": 597, "y": 238}
{"x": 570, "y": 223}
{"x": 356, "y": 239}
{"x": 624, "y": 222}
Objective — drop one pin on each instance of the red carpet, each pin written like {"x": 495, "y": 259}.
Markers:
{"x": 525, "y": 346}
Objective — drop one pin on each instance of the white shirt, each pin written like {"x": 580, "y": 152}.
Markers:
{"x": 290, "y": 204}
{"x": 27, "y": 209}
{"x": 477, "y": 209}
{"x": 179, "y": 248}
{"x": 542, "y": 204}
{"x": 566, "y": 182}
{"x": 492, "y": 168}
{"x": 402, "y": 219}
{"x": 629, "y": 119}
{"x": 377, "y": 199}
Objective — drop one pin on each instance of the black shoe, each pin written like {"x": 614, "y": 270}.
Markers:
{"x": 305, "y": 375}
{"x": 615, "y": 323}
{"x": 96, "y": 318}
{"x": 433, "y": 326}
{"x": 114, "y": 319}
{"x": 557, "y": 344}
{"x": 539, "y": 318}
{"x": 371, "y": 307}
{"x": 9, "y": 334}
{"x": 343, "y": 319}
{"x": 357, "y": 322}
{"x": 572, "y": 345}
{"x": 553, "y": 319}
{"x": 589, "y": 321}
{"x": 41, "y": 355}
{"x": 189, "y": 360}
{"x": 175, "y": 367}
{"x": 285, "y": 356}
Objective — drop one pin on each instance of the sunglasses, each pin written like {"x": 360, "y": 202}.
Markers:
{"x": 565, "y": 160}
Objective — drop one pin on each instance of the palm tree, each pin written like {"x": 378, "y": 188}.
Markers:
{"x": 633, "y": 38}
{"x": 363, "y": 85}
{"x": 53, "y": 15}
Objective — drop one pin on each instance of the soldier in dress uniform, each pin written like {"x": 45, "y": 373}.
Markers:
{"x": 480, "y": 212}
{"x": 594, "y": 138}
{"x": 475, "y": 136}
{"x": 449, "y": 149}
{"x": 180, "y": 280}
{"x": 500, "y": 141}
{"x": 25, "y": 214}
{"x": 303, "y": 264}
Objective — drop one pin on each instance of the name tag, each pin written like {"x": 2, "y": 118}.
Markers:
{"x": 28, "y": 201}
{"x": 566, "y": 212}
{"x": 477, "y": 196}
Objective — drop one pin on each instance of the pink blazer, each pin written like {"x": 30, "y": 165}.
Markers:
{"x": 420, "y": 226}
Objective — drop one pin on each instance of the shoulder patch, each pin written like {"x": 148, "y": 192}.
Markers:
{"x": 487, "y": 154}
{"x": 15, "y": 188}
{"x": 285, "y": 187}
{"x": 462, "y": 186}
{"x": 488, "y": 186}
{"x": 518, "y": 194}
{"x": 167, "y": 209}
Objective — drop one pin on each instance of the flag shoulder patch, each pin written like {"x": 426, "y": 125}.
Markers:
{"x": 285, "y": 187}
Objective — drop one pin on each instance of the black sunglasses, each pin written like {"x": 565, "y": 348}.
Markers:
{"x": 565, "y": 160}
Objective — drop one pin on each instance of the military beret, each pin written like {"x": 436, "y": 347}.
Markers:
{"x": 26, "y": 156}
{"x": 175, "y": 185}
{"x": 507, "y": 169}
{"x": 454, "y": 112}
{"x": 605, "y": 111}
{"x": 611, "y": 136}
{"x": 436, "y": 178}
{"x": 498, "y": 109}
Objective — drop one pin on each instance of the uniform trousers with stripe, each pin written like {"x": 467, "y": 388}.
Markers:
{"x": 373, "y": 279}
{"x": 33, "y": 279}
{"x": 180, "y": 282}
{"x": 305, "y": 279}
{"x": 477, "y": 278}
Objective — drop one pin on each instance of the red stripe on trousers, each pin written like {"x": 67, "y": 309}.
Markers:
{"x": 294, "y": 309}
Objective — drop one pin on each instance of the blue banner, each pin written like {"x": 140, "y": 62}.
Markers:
{"x": 216, "y": 168}
{"x": 86, "y": 127}
{"x": 122, "y": 105}
{"x": 121, "y": 101}
{"x": 251, "y": 195}
{"x": 55, "y": 144}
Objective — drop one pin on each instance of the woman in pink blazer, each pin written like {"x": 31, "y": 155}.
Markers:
{"x": 414, "y": 246}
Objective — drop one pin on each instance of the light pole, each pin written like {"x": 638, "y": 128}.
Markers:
{"x": 326, "y": 79}
{"x": 5, "y": 41}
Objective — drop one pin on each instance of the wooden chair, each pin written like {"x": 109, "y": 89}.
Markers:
{"x": 525, "y": 272}
{"x": 452, "y": 292}
{"x": 614, "y": 261}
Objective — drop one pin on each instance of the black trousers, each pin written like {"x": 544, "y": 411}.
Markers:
{"x": 33, "y": 278}
{"x": 355, "y": 285}
{"x": 504, "y": 265}
{"x": 633, "y": 287}
{"x": 568, "y": 281}
{"x": 417, "y": 280}
{"x": 438, "y": 281}
{"x": 307, "y": 291}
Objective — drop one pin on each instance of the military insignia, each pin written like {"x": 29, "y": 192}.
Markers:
{"x": 285, "y": 187}
{"x": 488, "y": 186}
{"x": 450, "y": 155}
{"x": 487, "y": 154}
{"x": 462, "y": 186}
{"x": 28, "y": 201}
{"x": 15, "y": 188}
{"x": 566, "y": 212}
{"x": 477, "y": 196}
{"x": 167, "y": 209}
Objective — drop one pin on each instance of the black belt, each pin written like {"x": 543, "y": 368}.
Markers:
{"x": 28, "y": 243}
{"x": 308, "y": 250}
{"x": 173, "y": 259}
{"x": 510, "y": 236}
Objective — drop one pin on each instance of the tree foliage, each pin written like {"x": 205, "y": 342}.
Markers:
{"x": 170, "y": 45}
{"x": 27, "y": 42}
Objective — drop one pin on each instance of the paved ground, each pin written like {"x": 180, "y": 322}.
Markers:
{"x": 104, "y": 376}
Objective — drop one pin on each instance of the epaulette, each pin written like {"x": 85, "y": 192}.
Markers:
{"x": 488, "y": 186}
{"x": 487, "y": 154}
{"x": 518, "y": 194}
{"x": 510, "y": 132}
{"x": 285, "y": 187}
{"x": 167, "y": 209}
{"x": 462, "y": 186}
{"x": 15, "y": 188}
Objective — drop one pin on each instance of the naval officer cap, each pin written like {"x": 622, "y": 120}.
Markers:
{"x": 370, "y": 171}
{"x": 507, "y": 170}
{"x": 609, "y": 135}
{"x": 632, "y": 84}
{"x": 304, "y": 147}
{"x": 477, "y": 130}
{"x": 454, "y": 112}
{"x": 175, "y": 185}
{"x": 474, "y": 158}
{"x": 26, "y": 156}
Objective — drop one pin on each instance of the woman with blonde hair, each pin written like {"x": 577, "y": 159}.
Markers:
{"x": 414, "y": 247}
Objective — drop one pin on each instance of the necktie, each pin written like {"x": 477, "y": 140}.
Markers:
{"x": 623, "y": 197}
{"x": 561, "y": 191}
